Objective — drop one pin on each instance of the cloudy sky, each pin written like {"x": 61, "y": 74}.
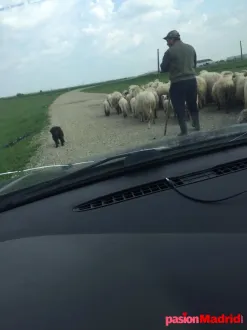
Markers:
{"x": 58, "y": 43}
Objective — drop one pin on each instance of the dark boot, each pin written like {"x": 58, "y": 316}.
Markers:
{"x": 183, "y": 127}
{"x": 195, "y": 122}
{"x": 182, "y": 134}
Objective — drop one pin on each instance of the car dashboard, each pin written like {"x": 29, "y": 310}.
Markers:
{"x": 124, "y": 253}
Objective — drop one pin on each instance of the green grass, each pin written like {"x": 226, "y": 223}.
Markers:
{"x": 120, "y": 85}
{"x": 18, "y": 116}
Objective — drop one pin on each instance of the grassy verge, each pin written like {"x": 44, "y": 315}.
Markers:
{"x": 19, "y": 116}
{"x": 142, "y": 80}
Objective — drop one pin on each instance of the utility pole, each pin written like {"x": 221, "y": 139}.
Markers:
{"x": 158, "y": 60}
{"x": 241, "y": 50}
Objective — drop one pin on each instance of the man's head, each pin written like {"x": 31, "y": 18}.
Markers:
{"x": 172, "y": 37}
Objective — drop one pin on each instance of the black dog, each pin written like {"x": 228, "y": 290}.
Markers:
{"x": 57, "y": 134}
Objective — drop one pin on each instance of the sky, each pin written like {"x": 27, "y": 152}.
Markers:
{"x": 49, "y": 44}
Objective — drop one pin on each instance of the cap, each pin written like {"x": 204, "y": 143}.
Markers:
{"x": 172, "y": 35}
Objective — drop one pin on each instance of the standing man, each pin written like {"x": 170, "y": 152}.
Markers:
{"x": 180, "y": 61}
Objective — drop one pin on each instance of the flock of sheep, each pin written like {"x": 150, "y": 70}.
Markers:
{"x": 225, "y": 89}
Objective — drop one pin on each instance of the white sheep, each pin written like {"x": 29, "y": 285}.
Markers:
{"x": 151, "y": 89}
{"x": 244, "y": 72}
{"x": 239, "y": 80}
{"x": 132, "y": 87}
{"x": 132, "y": 106}
{"x": 107, "y": 107}
{"x": 163, "y": 89}
{"x": 167, "y": 105}
{"x": 145, "y": 105}
{"x": 128, "y": 97}
{"x": 124, "y": 106}
{"x": 210, "y": 78}
{"x": 155, "y": 84}
{"x": 115, "y": 97}
{"x": 226, "y": 73}
{"x": 223, "y": 91}
{"x": 201, "y": 91}
{"x": 245, "y": 95}
{"x": 242, "y": 118}
{"x": 109, "y": 99}
{"x": 134, "y": 90}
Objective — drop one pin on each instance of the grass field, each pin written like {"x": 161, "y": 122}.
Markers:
{"x": 19, "y": 116}
{"x": 22, "y": 114}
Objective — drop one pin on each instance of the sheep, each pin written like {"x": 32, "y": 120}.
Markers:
{"x": 124, "y": 106}
{"x": 109, "y": 99}
{"x": 132, "y": 106}
{"x": 128, "y": 97}
{"x": 107, "y": 107}
{"x": 245, "y": 95}
{"x": 163, "y": 98}
{"x": 145, "y": 104}
{"x": 210, "y": 78}
{"x": 155, "y": 84}
{"x": 115, "y": 97}
{"x": 151, "y": 89}
{"x": 167, "y": 104}
{"x": 223, "y": 91}
{"x": 134, "y": 90}
{"x": 132, "y": 87}
{"x": 242, "y": 118}
{"x": 125, "y": 92}
{"x": 239, "y": 81}
{"x": 226, "y": 73}
{"x": 201, "y": 91}
{"x": 244, "y": 72}
{"x": 162, "y": 89}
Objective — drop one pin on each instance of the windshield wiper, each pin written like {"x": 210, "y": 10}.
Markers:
{"x": 152, "y": 155}
{"x": 81, "y": 177}
{"x": 115, "y": 166}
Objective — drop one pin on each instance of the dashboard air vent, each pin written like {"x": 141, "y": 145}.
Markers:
{"x": 159, "y": 186}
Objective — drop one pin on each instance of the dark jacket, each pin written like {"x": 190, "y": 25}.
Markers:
{"x": 180, "y": 61}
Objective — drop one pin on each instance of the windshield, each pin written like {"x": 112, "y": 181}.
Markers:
{"x": 82, "y": 80}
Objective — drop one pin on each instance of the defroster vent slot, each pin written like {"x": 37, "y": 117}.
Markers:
{"x": 159, "y": 186}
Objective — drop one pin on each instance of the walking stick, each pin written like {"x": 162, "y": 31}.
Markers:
{"x": 167, "y": 115}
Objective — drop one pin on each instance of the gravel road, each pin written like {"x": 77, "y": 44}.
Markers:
{"x": 88, "y": 132}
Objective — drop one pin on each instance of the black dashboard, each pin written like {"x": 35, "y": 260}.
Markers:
{"x": 135, "y": 253}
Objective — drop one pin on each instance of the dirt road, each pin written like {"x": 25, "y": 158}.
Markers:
{"x": 88, "y": 132}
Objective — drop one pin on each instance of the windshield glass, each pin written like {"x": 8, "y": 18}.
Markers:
{"x": 82, "y": 80}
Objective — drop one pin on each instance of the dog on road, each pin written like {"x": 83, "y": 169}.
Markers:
{"x": 57, "y": 135}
